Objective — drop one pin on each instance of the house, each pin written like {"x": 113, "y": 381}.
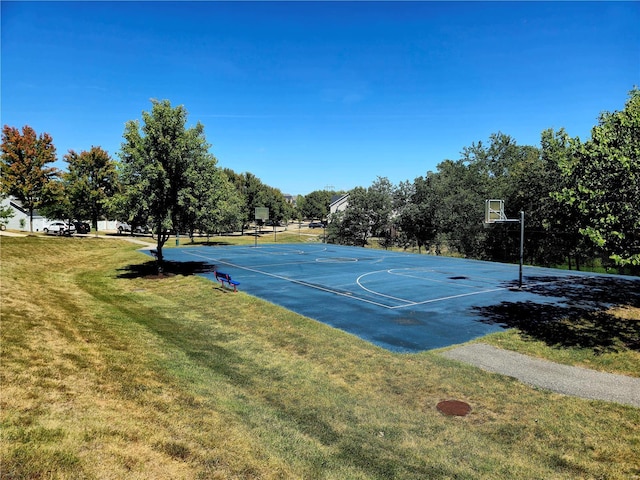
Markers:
{"x": 20, "y": 218}
{"x": 339, "y": 203}
{"x": 291, "y": 199}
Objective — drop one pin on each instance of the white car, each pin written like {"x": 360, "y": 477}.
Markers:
{"x": 123, "y": 227}
{"x": 59, "y": 228}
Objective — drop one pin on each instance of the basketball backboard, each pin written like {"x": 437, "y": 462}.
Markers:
{"x": 494, "y": 211}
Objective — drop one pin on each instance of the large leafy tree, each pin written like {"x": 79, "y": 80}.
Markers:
{"x": 604, "y": 175}
{"x": 273, "y": 199}
{"x": 26, "y": 173}
{"x": 460, "y": 189}
{"x": 368, "y": 214}
{"x": 560, "y": 221}
{"x": 167, "y": 173}
{"x": 315, "y": 205}
{"x": 415, "y": 204}
{"x": 220, "y": 208}
{"x": 353, "y": 225}
{"x": 91, "y": 180}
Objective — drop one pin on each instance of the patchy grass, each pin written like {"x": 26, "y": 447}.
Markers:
{"x": 618, "y": 359}
{"x": 109, "y": 375}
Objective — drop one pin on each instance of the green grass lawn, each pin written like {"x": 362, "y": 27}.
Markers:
{"x": 106, "y": 374}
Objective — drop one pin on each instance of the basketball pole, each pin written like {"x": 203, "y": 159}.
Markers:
{"x": 521, "y": 247}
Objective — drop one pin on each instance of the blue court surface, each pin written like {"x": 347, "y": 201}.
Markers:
{"x": 398, "y": 301}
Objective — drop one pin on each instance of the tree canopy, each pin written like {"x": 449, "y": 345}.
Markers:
{"x": 604, "y": 185}
{"x": 169, "y": 179}
{"x": 90, "y": 181}
{"x": 25, "y": 171}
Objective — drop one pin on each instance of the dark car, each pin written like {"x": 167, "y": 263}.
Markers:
{"x": 82, "y": 227}
{"x": 316, "y": 225}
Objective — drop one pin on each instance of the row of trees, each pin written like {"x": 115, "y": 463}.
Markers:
{"x": 165, "y": 177}
{"x": 582, "y": 199}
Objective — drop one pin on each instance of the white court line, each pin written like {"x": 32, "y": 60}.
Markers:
{"x": 378, "y": 293}
{"x": 411, "y": 303}
{"x": 433, "y": 300}
{"x": 299, "y": 282}
{"x": 407, "y": 303}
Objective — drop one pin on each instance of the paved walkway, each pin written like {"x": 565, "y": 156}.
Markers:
{"x": 575, "y": 381}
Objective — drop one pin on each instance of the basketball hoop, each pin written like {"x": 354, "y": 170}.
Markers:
{"x": 488, "y": 225}
{"x": 494, "y": 213}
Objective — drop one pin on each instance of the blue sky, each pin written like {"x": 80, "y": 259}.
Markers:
{"x": 309, "y": 95}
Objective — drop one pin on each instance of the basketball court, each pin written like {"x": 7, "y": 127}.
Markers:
{"x": 398, "y": 301}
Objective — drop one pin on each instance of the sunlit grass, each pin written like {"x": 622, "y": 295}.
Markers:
{"x": 619, "y": 360}
{"x": 105, "y": 376}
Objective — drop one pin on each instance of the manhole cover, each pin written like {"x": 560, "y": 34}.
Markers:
{"x": 454, "y": 407}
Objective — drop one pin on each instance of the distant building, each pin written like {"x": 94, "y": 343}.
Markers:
{"x": 291, "y": 199}
{"x": 20, "y": 219}
{"x": 339, "y": 203}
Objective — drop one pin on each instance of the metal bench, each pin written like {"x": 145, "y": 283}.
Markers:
{"x": 226, "y": 278}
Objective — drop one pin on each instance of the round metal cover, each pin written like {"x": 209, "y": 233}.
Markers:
{"x": 454, "y": 408}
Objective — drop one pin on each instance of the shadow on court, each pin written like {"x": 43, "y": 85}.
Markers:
{"x": 577, "y": 318}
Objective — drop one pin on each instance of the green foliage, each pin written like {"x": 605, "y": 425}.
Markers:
{"x": 315, "y": 205}
{"x": 5, "y": 214}
{"x": 368, "y": 214}
{"x": 91, "y": 180}
{"x": 253, "y": 193}
{"x": 168, "y": 177}
{"x": 25, "y": 173}
{"x": 604, "y": 183}
{"x": 273, "y": 199}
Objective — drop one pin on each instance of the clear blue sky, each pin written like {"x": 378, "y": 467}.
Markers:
{"x": 307, "y": 95}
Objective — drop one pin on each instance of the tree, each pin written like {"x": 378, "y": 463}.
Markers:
{"x": 416, "y": 205}
{"x": 167, "y": 173}
{"x": 368, "y": 214}
{"x": 25, "y": 173}
{"x": 351, "y": 226}
{"x": 273, "y": 199}
{"x": 6, "y": 213}
{"x": 604, "y": 175}
{"x": 91, "y": 180}
{"x": 560, "y": 221}
{"x": 217, "y": 213}
{"x": 460, "y": 187}
{"x": 315, "y": 205}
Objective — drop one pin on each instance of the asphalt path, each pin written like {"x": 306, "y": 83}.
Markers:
{"x": 564, "y": 379}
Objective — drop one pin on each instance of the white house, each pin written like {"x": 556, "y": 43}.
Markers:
{"x": 339, "y": 203}
{"x": 20, "y": 219}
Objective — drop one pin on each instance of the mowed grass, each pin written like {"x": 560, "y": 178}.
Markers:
{"x": 111, "y": 375}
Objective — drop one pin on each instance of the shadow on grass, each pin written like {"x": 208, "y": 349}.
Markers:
{"x": 577, "y": 316}
{"x": 150, "y": 269}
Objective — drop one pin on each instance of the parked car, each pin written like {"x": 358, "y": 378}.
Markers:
{"x": 316, "y": 225}
{"x": 59, "y": 228}
{"x": 142, "y": 229}
{"x": 123, "y": 227}
{"x": 82, "y": 227}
